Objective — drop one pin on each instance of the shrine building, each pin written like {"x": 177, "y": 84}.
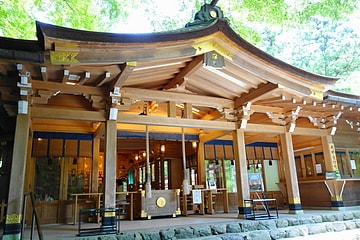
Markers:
{"x": 95, "y": 120}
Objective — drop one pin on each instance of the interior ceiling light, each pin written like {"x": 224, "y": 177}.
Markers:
{"x": 73, "y": 77}
{"x": 71, "y": 83}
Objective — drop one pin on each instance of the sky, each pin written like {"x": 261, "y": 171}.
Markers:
{"x": 137, "y": 21}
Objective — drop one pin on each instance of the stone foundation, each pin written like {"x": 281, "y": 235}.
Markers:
{"x": 274, "y": 229}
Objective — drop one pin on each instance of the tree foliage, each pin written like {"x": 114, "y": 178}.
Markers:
{"x": 15, "y": 20}
{"x": 324, "y": 47}
{"x": 18, "y": 16}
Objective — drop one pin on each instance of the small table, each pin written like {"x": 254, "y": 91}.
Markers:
{"x": 264, "y": 202}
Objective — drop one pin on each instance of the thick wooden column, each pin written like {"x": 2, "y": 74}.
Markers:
{"x": 201, "y": 164}
{"x": 292, "y": 186}
{"x": 329, "y": 154}
{"x": 110, "y": 165}
{"x": 332, "y": 166}
{"x": 162, "y": 172}
{"x": 30, "y": 167}
{"x": 12, "y": 228}
{"x": 242, "y": 181}
{"x": 64, "y": 178}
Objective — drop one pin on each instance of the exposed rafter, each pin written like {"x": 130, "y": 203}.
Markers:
{"x": 126, "y": 70}
{"x": 255, "y": 94}
{"x": 186, "y": 71}
{"x": 44, "y": 73}
{"x": 105, "y": 78}
{"x": 166, "y": 96}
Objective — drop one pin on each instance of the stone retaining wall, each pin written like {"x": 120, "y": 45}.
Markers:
{"x": 275, "y": 229}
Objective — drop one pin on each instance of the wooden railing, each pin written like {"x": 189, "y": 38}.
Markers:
{"x": 97, "y": 197}
{"x": 126, "y": 203}
{"x": 34, "y": 216}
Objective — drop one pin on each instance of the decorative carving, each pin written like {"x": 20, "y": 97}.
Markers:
{"x": 285, "y": 119}
{"x": 325, "y": 122}
{"x": 63, "y": 57}
{"x": 242, "y": 114}
{"x": 207, "y": 13}
{"x": 161, "y": 202}
{"x": 13, "y": 218}
{"x": 211, "y": 45}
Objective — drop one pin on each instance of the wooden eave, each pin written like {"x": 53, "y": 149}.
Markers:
{"x": 14, "y": 50}
{"x": 158, "y": 68}
{"x": 218, "y": 31}
{"x": 348, "y": 98}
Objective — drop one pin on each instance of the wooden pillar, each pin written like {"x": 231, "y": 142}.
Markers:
{"x": 188, "y": 110}
{"x": 242, "y": 181}
{"x": 329, "y": 154}
{"x": 201, "y": 164}
{"x": 94, "y": 188}
{"x": 303, "y": 166}
{"x": 172, "y": 109}
{"x": 162, "y": 172}
{"x": 281, "y": 167}
{"x": 332, "y": 166}
{"x": 110, "y": 165}
{"x": 157, "y": 164}
{"x": 30, "y": 167}
{"x": 12, "y": 228}
{"x": 64, "y": 178}
{"x": 290, "y": 173}
{"x": 348, "y": 163}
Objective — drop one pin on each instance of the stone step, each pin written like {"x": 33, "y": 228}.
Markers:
{"x": 273, "y": 229}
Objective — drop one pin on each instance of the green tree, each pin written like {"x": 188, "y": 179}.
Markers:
{"x": 306, "y": 33}
{"x": 15, "y": 20}
{"x": 18, "y": 16}
{"x": 325, "y": 47}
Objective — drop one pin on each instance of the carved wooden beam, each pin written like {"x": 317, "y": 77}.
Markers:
{"x": 44, "y": 73}
{"x": 255, "y": 94}
{"x": 86, "y": 77}
{"x": 186, "y": 71}
{"x": 106, "y": 77}
{"x": 66, "y": 75}
{"x": 126, "y": 70}
{"x": 206, "y": 137}
{"x": 67, "y": 114}
{"x": 167, "y": 96}
{"x": 174, "y": 122}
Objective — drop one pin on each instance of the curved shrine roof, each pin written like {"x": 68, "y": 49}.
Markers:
{"x": 207, "y": 64}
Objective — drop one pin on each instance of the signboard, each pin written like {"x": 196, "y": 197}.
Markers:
{"x": 318, "y": 168}
{"x": 353, "y": 164}
{"x": 330, "y": 175}
{"x": 196, "y": 196}
{"x": 255, "y": 182}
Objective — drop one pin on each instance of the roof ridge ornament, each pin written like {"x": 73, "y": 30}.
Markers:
{"x": 207, "y": 13}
